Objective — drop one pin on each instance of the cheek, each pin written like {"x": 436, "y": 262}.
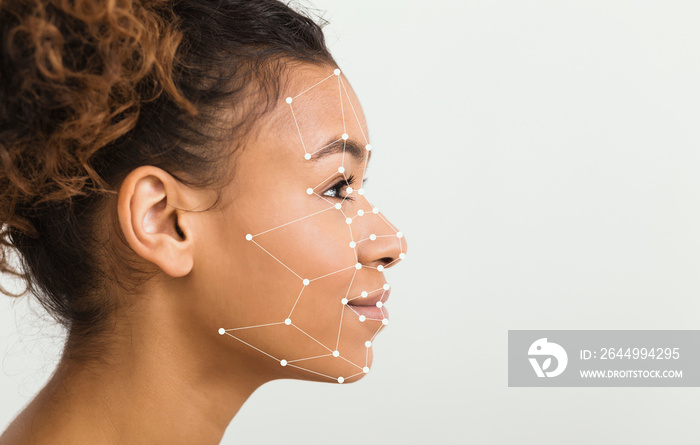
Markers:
{"x": 312, "y": 247}
{"x": 259, "y": 281}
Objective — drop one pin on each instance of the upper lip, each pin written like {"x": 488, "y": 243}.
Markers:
{"x": 371, "y": 299}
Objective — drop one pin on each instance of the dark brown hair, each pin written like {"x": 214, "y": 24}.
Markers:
{"x": 92, "y": 89}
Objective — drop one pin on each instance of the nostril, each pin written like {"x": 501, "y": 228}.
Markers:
{"x": 386, "y": 260}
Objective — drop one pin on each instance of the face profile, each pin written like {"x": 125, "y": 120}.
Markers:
{"x": 308, "y": 284}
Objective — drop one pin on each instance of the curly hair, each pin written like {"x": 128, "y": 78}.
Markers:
{"x": 92, "y": 89}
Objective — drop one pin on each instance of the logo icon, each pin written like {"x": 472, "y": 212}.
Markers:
{"x": 541, "y": 348}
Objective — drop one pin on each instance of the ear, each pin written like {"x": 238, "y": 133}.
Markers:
{"x": 150, "y": 216}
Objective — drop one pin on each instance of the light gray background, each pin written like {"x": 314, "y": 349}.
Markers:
{"x": 542, "y": 158}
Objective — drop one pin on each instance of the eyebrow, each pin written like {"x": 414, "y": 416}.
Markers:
{"x": 339, "y": 146}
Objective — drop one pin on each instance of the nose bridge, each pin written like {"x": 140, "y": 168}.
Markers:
{"x": 382, "y": 243}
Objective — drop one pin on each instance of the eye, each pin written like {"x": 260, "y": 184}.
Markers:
{"x": 338, "y": 189}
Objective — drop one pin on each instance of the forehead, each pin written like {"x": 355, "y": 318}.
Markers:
{"x": 316, "y": 104}
{"x": 323, "y": 109}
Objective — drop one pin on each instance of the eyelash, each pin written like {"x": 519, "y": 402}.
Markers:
{"x": 338, "y": 187}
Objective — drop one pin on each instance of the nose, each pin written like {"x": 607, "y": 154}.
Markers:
{"x": 382, "y": 244}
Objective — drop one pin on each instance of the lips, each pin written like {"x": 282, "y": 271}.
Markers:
{"x": 367, "y": 306}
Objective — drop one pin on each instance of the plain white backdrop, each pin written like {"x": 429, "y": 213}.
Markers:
{"x": 543, "y": 160}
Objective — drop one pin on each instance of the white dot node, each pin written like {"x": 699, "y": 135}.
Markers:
{"x": 399, "y": 235}
{"x": 348, "y": 190}
{"x": 375, "y": 210}
{"x": 341, "y": 380}
{"x": 379, "y": 304}
{"x": 341, "y": 169}
{"x": 306, "y": 282}
{"x": 368, "y": 344}
{"x": 344, "y": 301}
{"x": 222, "y": 331}
{"x": 288, "y": 321}
{"x": 368, "y": 147}
{"x": 249, "y": 237}
{"x": 365, "y": 369}
{"x": 360, "y": 212}
{"x": 385, "y": 321}
{"x": 362, "y": 318}
{"x": 338, "y": 206}
{"x": 336, "y": 354}
{"x": 309, "y": 191}
{"x": 380, "y": 268}
{"x": 353, "y": 244}
{"x": 289, "y": 100}
{"x": 345, "y": 136}
{"x": 402, "y": 255}
{"x": 283, "y": 362}
{"x": 336, "y": 72}
{"x": 385, "y": 287}
{"x": 364, "y": 294}
{"x": 373, "y": 237}
{"x": 361, "y": 192}
{"x": 348, "y": 220}
{"x": 358, "y": 266}
{"x": 307, "y": 156}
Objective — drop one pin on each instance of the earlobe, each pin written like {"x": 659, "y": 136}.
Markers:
{"x": 152, "y": 221}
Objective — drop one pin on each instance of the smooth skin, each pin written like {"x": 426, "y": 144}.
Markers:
{"x": 164, "y": 374}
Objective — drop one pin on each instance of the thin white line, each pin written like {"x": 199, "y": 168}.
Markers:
{"x": 295, "y": 303}
{"x": 313, "y": 152}
{"x": 308, "y": 358}
{"x": 319, "y": 83}
{"x": 332, "y": 273}
{"x": 252, "y": 346}
{"x": 389, "y": 264}
{"x": 355, "y": 375}
{"x": 292, "y": 222}
{"x": 388, "y": 223}
{"x": 340, "y": 327}
{"x": 370, "y": 293}
{"x": 375, "y": 334}
{"x": 342, "y": 162}
{"x": 350, "y": 286}
{"x": 302, "y": 331}
{"x": 277, "y": 259}
{"x": 325, "y": 199}
{"x": 354, "y": 249}
{"x": 354, "y": 364}
{"x": 353, "y": 110}
{"x": 342, "y": 109}
{"x": 366, "y": 356}
{"x": 251, "y": 327}
{"x": 321, "y": 183}
{"x": 298, "y": 130}
{"x": 314, "y": 372}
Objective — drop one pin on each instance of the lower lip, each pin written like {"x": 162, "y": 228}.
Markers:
{"x": 371, "y": 313}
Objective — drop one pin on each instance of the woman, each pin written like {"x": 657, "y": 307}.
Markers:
{"x": 182, "y": 181}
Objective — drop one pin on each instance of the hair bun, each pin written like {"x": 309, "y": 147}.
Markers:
{"x": 73, "y": 74}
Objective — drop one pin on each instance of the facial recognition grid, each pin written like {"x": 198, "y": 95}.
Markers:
{"x": 346, "y": 307}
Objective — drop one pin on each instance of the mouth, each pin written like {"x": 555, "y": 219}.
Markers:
{"x": 369, "y": 306}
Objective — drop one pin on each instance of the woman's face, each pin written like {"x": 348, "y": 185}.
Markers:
{"x": 291, "y": 268}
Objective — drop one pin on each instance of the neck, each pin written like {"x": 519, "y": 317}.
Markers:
{"x": 149, "y": 386}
